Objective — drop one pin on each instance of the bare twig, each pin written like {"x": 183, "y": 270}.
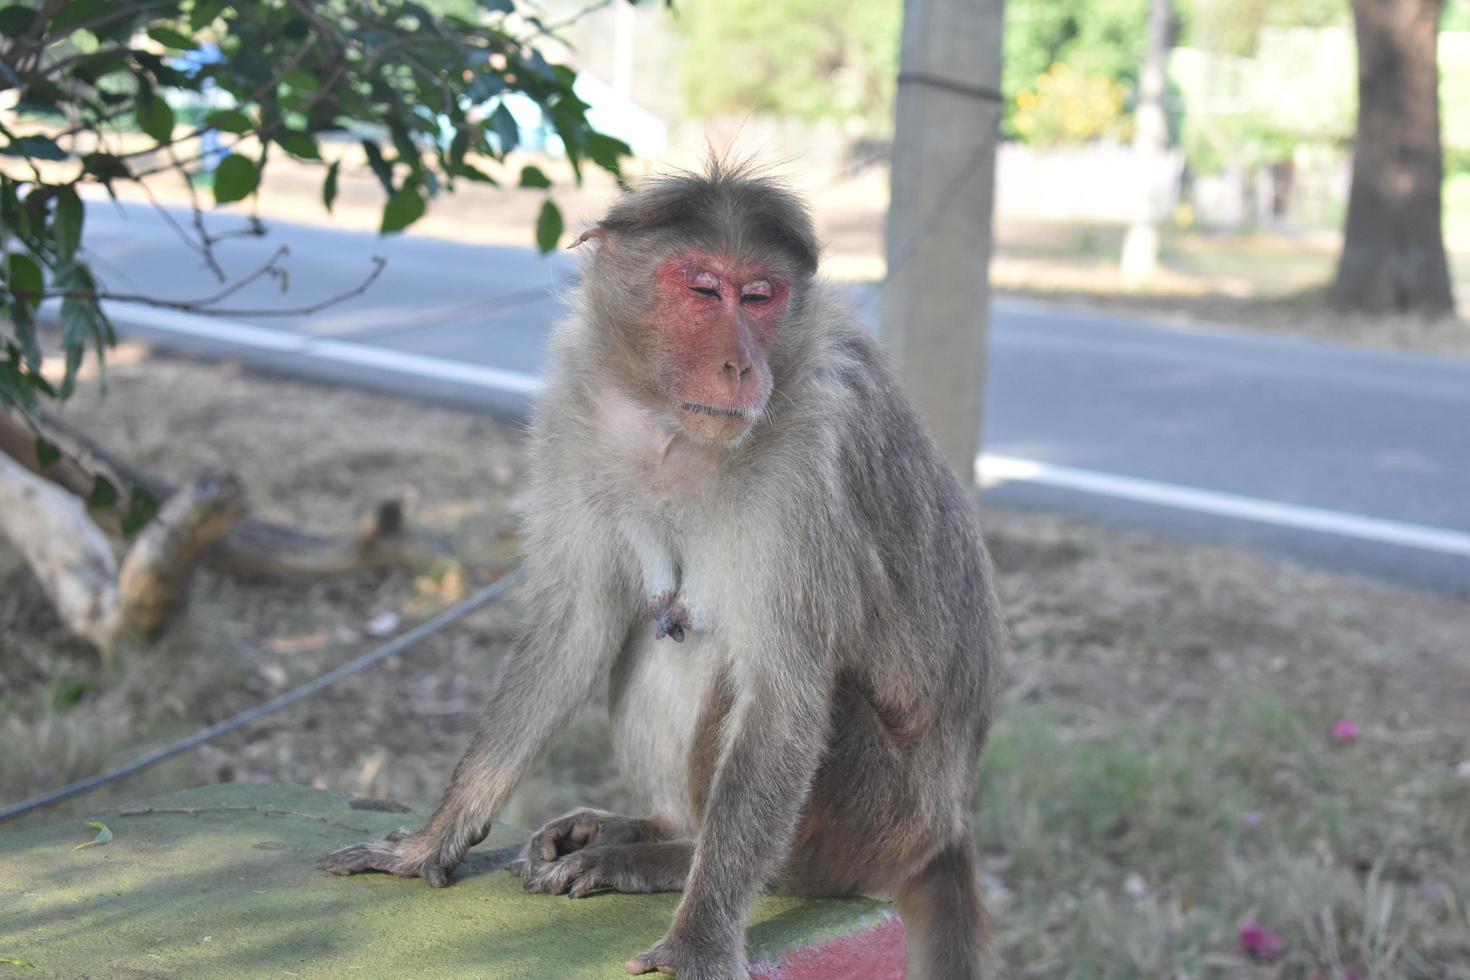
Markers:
{"x": 204, "y": 304}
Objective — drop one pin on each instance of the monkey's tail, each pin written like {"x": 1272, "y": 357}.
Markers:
{"x": 944, "y": 917}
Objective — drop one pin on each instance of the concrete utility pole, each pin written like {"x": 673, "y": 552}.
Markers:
{"x": 936, "y": 296}
{"x": 1140, "y": 261}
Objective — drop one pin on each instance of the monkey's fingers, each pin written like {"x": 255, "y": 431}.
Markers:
{"x": 647, "y": 963}
{"x": 382, "y": 856}
{"x": 372, "y": 856}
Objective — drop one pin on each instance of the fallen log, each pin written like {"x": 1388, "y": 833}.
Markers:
{"x": 95, "y": 598}
{"x": 252, "y": 547}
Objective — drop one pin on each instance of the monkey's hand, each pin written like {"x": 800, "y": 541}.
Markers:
{"x": 693, "y": 958}
{"x": 402, "y": 853}
{"x": 670, "y": 617}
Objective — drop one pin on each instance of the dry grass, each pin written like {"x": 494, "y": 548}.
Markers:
{"x": 1162, "y": 770}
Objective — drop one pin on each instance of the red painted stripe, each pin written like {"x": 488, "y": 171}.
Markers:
{"x": 875, "y": 953}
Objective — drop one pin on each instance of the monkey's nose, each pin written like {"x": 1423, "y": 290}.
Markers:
{"x": 735, "y": 373}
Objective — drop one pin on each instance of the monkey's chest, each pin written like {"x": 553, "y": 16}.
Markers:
{"x": 658, "y": 695}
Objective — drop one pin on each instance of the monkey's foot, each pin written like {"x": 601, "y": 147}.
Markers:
{"x": 402, "y": 853}
{"x": 633, "y": 868}
{"x": 670, "y": 617}
{"x": 690, "y": 960}
{"x": 583, "y": 828}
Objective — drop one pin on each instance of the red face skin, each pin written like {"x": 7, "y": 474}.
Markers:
{"x": 717, "y": 318}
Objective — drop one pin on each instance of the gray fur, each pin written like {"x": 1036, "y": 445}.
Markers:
{"x": 834, "y": 580}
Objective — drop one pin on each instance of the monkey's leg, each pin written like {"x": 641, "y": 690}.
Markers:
{"x": 749, "y": 819}
{"x": 943, "y": 918}
{"x": 653, "y": 866}
{"x": 574, "y": 633}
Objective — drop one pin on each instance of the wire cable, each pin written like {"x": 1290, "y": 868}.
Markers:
{"x": 396, "y": 645}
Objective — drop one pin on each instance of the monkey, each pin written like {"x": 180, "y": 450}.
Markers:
{"x": 737, "y": 521}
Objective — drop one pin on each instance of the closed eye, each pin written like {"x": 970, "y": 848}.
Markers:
{"x": 755, "y": 298}
{"x": 705, "y": 291}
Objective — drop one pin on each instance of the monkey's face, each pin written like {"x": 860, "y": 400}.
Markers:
{"x": 714, "y": 319}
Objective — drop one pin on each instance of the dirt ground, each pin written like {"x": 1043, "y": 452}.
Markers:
{"x": 1163, "y": 770}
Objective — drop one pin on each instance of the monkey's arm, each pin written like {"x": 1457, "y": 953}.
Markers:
{"x": 572, "y": 634}
{"x": 775, "y": 743}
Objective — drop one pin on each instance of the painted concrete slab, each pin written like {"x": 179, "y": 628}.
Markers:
{"x": 220, "y": 882}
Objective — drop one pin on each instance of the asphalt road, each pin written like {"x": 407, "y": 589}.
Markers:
{"x": 1351, "y": 459}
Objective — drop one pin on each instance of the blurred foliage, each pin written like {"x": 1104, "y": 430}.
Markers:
{"x": 1214, "y": 143}
{"x": 105, "y": 91}
{"x": 1088, "y": 52}
{"x": 809, "y": 59}
{"x": 1234, "y": 26}
{"x": 1069, "y": 106}
{"x": 1456, "y": 16}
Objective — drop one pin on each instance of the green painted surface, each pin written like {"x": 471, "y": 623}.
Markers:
{"x": 220, "y": 882}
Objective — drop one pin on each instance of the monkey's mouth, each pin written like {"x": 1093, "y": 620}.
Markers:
{"x": 718, "y": 411}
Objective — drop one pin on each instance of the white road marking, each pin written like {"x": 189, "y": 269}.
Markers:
{"x": 990, "y": 469}
{"x": 154, "y": 319}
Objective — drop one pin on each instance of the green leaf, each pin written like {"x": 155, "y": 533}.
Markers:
{"x": 24, "y": 276}
{"x": 14, "y": 21}
{"x": 66, "y": 226}
{"x": 36, "y": 147}
{"x": 301, "y": 79}
{"x": 104, "y": 832}
{"x": 471, "y": 172}
{"x": 203, "y": 13}
{"x": 106, "y": 167}
{"x": 404, "y": 208}
{"x": 229, "y": 121}
{"x": 234, "y": 179}
{"x": 103, "y": 495}
{"x": 507, "y": 132}
{"x": 156, "y": 118}
{"x": 15, "y": 385}
{"x": 142, "y": 505}
{"x": 498, "y": 6}
{"x": 605, "y": 151}
{"x": 19, "y": 964}
{"x": 30, "y": 346}
{"x": 549, "y": 226}
{"x": 380, "y": 167}
{"x": 532, "y": 176}
{"x": 299, "y": 145}
{"x": 329, "y": 186}
{"x": 47, "y": 454}
{"x": 170, "y": 38}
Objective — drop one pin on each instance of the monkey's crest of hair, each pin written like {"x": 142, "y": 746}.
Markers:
{"x": 730, "y": 207}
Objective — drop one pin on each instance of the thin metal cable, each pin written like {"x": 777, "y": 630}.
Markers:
{"x": 396, "y": 645}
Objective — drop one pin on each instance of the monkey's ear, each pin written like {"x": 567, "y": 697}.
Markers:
{"x": 596, "y": 231}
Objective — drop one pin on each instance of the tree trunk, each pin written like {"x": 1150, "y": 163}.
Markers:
{"x": 1393, "y": 257}
{"x": 75, "y": 565}
{"x": 1140, "y": 261}
{"x": 936, "y": 296}
{"x": 69, "y": 554}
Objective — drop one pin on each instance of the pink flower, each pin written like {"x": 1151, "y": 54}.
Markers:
{"x": 1352, "y": 973}
{"x": 1251, "y": 818}
{"x": 1346, "y": 730}
{"x": 1260, "y": 942}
